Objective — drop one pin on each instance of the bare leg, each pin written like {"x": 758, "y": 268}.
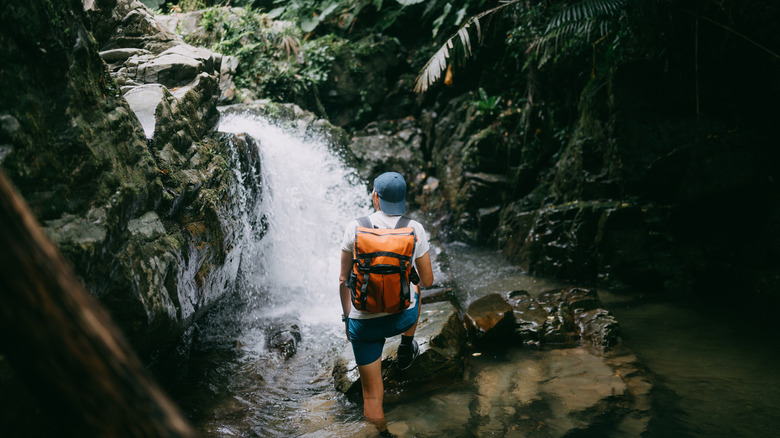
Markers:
{"x": 411, "y": 331}
{"x": 373, "y": 393}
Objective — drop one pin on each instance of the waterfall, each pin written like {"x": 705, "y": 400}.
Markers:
{"x": 308, "y": 196}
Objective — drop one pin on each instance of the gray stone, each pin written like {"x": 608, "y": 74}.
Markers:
{"x": 144, "y": 101}
{"x": 122, "y": 54}
{"x": 130, "y": 24}
{"x": 76, "y": 230}
{"x": 171, "y": 70}
{"x": 148, "y": 226}
{"x": 377, "y": 153}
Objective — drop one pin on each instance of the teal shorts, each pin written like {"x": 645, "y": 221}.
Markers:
{"x": 368, "y": 335}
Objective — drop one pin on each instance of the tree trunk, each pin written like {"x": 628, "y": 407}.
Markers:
{"x": 63, "y": 344}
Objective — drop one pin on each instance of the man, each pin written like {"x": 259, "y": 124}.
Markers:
{"x": 367, "y": 331}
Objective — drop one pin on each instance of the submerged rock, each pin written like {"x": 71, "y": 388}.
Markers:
{"x": 283, "y": 336}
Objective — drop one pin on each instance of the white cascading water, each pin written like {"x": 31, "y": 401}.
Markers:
{"x": 308, "y": 198}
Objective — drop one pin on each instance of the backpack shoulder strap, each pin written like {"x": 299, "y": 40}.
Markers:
{"x": 403, "y": 221}
{"x": 364, "y": 222}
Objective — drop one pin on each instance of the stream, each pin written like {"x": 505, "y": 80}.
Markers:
{"x": 713, "y": 374}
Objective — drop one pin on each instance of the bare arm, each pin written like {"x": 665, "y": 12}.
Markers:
{"x": 344, "y": 294}
{"x": 424, "y": 270}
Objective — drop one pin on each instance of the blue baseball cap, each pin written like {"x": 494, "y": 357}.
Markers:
{"x": 391, "y": 188}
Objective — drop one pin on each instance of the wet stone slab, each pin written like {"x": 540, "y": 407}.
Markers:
{"x": 553, "y": 393}
{"x": 441, "y": 338}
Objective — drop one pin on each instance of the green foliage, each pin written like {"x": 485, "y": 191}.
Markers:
{"x": 273, "y": 59}
{"x": 575, "y": 25}
{"x": 188, "y": 6}
{"x": 437, "y": 64}
{"x": 342, "y": 15}
{"x": 544, "y": 32}
{"x": 486, "y": 105}
{"x": 310, "y": 13}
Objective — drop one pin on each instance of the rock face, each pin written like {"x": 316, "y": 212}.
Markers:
{"x": 389, "y": 146}
{"x": 121, "y": 165}
{"x": 614, "y": 184}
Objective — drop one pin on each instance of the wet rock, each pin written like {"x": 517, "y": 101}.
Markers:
{"x": 283, "y": 336}
{"x": 377, "y": 153}
{"x": 550, "y": 393}
{"x": 438, "y": 294}
{"x": 489, "y": 320}
{"x": 598, "y": 327}
{"x": 563, "y": 318}
{"x": 148, "y": 225}
{"x": 144, "y": 100}
{"x": 299, "y": 122}
{"x": 177, "y": 66}
{"x": 128, "y": 24}
{"x": 441, "y": 339}
{"x": 580, "y": 299}
{"x": 227, "y": 71}
{"x": 529, "y": 315}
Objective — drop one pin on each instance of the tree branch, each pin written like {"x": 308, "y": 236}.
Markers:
{"x": 63, "y": 344}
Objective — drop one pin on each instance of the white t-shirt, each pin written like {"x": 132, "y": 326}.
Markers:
{"x": 381, "y": 220}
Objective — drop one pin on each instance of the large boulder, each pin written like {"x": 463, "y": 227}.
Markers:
{"x": 120, "y": 24}
{"x": 441, "y": 339}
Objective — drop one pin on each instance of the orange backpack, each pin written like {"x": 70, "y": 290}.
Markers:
{"x": 382, "y": 267}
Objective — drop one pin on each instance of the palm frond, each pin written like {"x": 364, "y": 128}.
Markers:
{"x": 437, "y": 63}
{"x": 575, "y": 21}
{"x": 585, "y": 10}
